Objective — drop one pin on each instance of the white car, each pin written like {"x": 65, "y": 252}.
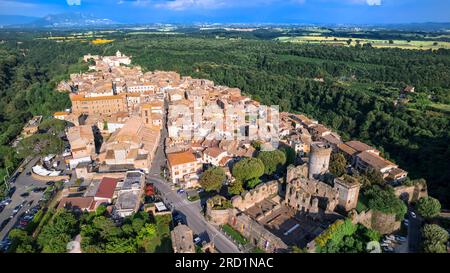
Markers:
{"x": 413, "y": 215}
{"x": 197, "y": 240}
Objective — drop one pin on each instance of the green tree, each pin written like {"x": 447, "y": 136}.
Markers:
{"x": 384, "y": 200}
{"x": 236, "y": 188}
{"x": 248, "y": 168}
{"x": 21, "y": 242}
{"x": 253, "y": 183}
{"x": 290, "y": 155}
{"x": 428, "y": 207}
{"x": 212, "y": 179}
{"x": 148, "y": 239}
{"x": 272, "y": 160}
{"x": 58, "y": 232}
{"x": 338, "y": 164}
{"x": 434, "y": 239}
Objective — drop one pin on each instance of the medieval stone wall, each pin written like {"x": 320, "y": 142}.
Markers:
{"x": 257, "y": 234}
{"x": 308, "y": 195}
{"x": 256, "y": 195}
{"x": 411, "y": 193}
{"x": 382, "y": 222}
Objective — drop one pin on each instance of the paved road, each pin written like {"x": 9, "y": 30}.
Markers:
{"x": 190, "y": 211}
{"x": 415, "y": 224}
{"x": 23, "y": 184}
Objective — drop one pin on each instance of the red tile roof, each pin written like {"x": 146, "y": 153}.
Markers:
{"x": 106, "y": 188}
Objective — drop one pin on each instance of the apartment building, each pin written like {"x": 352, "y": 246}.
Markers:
{"x": 183, "y": 168}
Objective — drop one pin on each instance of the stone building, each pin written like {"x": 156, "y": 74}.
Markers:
{"x": 182, "y": 239}
{"x": 104, "y": 105}
{"x": 308, "y": 195}
{"x": 348, "y": 189}
{"x": 319, "y": 159}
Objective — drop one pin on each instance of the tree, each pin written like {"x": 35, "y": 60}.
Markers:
{"x": 374, "y": 177}
{"x": 434, "y": 239}
{"x": 272, "y": 160}
{"x": 21, "y": 242}
{"x": 212, "y": 179}
{"x": 253, "y": 183}
{"x": 236, "y": 188}
{"x": 290, "y": 154}
{"x": 58, "y": 232}
{"x": 428, "y": 207}
{"x": 338, "y": 164}
{"x": 384, "y": 200}
{"x": 55, "y": 126}
{"x": 148, "y": 239}
{"x": 247, "y": 169}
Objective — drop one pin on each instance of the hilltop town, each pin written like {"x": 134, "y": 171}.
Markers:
{"x": 235, "y": 175}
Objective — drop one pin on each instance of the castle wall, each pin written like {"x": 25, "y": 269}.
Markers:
{"x": 256, "y": 195}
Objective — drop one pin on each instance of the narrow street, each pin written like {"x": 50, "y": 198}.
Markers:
{"x": 190, "y": 211}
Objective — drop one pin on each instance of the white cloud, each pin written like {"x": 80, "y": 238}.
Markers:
{"x": 373, "y": 2}
{"x": 73, "y": 2}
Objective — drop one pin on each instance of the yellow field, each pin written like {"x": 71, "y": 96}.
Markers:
{"x": 101, "y": 41}
{"x": 404, "y": 44}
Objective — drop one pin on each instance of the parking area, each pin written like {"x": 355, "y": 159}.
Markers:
{"x": 394, "y": 244}
{"x": 25, "y": 194}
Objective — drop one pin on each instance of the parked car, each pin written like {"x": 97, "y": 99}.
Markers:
{"x": 4, "y": 223}
{"x": 28, "y": 173}
{"x": 39, "y": 189}
{"x": 180, "y": 191}
{"x": 6, "y": 201}
{"x": 14, "y": 177}
{"x": 50, "y": 183}
{"x": 16, "y": 210}
{"x": 400, "y": 238}
{"x": 4, "y": 245}
{"x": 200, "y": 190}
{"x": 2, "y": 207}
{"x": 11, "y": 191}
{"x": 197, "y": 240}
{"x": 25, "y": 194}
{"x": 413, "y": 215}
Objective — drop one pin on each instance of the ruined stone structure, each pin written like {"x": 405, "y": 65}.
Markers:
{"x": 308, "y": 195}
{"x": 319, "y": 159}
{"x": 256, "y": 195}
{"x": 382, "y": 222}
{"x": 257, "y": 234}
{"x": 348, "y": 189}
{"x": 300, "y": 171}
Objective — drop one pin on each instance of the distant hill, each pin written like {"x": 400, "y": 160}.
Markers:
{"x": 67, "y": 20}
{"x": 430, "y": 26}
{"x": 6, "y": 20}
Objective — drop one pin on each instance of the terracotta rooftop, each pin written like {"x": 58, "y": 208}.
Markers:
{"x": 76, "y": 202}
{"x": 375, "y": 161}
{"x": 106, "y": 188}
{"x": 213, "y": 151}
{"x": 359, "y": 146}
{"x": 347, "y": 149}
{"x": 180, "y": 158}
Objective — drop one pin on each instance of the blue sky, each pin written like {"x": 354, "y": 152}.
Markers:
{"x": 242, "y": 11}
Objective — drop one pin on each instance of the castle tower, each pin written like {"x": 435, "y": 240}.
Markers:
{"x": 319, "y": 159}
{"x": 348, "y": 189}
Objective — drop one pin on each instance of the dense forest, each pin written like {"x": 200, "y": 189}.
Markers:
{"x": 360, "y": 95}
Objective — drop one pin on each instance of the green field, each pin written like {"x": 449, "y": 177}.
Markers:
{"x": 348, "y": 41}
